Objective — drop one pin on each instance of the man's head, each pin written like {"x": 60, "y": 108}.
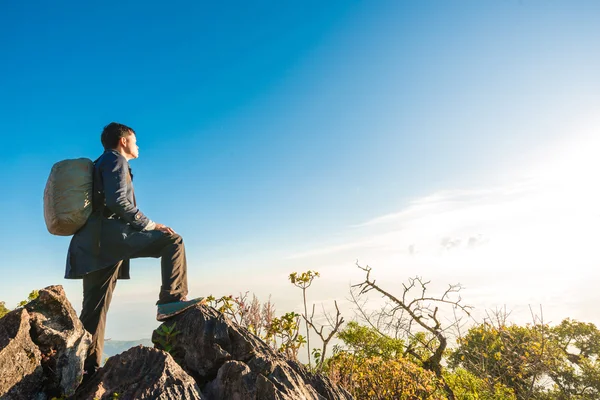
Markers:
{"x": 120, "y": 137}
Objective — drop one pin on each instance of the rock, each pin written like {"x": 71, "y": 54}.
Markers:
{"x": 61, "y": 338}
{"x": 276, "y": 380}
{"x": 141, "y": 373}
{"x": 20, "y": 371}
{"x": 231, "y": 363}
{"x": 234, "y": 381}
{"x": 206, "y": 340}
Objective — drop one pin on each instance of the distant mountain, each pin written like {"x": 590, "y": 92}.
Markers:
{"x": 114, "y": 347}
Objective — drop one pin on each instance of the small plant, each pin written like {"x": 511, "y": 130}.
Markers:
{"x": 316, "y": 353}
{"x": 285, "y": 329}
{"x": 167, "y": 335}
{"x": 303, "y": 281}
{"x": 224, "y": 305}
{"x": 32, "y": 296}
{"x": 3, "y": 309}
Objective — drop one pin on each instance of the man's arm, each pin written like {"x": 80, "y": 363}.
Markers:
{"x": 115, "y": 175}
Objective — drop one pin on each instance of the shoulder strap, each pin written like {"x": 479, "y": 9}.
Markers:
{"x": 97, "y": 207}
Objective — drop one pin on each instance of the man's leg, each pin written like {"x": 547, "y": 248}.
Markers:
{"x": 171, "y": 250}
{"x": 98, "y": 287}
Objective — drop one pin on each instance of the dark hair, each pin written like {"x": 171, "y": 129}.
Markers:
{"x": 112, "y": 133}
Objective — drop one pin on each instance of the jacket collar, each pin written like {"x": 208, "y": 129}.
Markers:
{"x": 120, "y": 155}
{"x": 115, "y": 152}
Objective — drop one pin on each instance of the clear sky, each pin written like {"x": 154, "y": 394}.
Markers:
{"x": 284, "y": 136}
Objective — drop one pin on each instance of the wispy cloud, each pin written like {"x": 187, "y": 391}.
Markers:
{"x": 447, "y": 219}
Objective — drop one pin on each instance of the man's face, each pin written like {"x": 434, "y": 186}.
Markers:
{"x": 130, "y": 147}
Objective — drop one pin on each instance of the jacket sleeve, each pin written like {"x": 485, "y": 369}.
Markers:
{"x": 115, "y": 176}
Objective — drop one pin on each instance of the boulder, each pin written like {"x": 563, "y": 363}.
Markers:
{"x": 141, "y": 373}
{"x": 61, "y": 338}
{"x": 234, "y": 381}
{"x": 229, "y": 362}
{"x": 21, "y": 372}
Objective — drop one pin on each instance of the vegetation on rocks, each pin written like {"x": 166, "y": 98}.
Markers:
{"x": 3, "y": 309}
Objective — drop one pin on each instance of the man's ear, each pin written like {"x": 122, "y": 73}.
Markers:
{"x": 123, "y": 141}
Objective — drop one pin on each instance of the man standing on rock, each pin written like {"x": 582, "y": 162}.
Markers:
{"x": 116, "y": 232}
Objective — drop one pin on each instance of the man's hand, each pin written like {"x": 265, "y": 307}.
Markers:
{"x": 164, "y": 228}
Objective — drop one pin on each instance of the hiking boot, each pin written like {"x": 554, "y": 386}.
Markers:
{"x": 168, "y": 310}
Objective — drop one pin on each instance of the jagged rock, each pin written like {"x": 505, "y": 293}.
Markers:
{"x": 61, "y": 338}
{"x": 234, "y": 381}
{"x": 20, "y": 370}
{"x": 141, "y": 373}
{"x": 276, "y": 380}
{"x": 232, "y": 363}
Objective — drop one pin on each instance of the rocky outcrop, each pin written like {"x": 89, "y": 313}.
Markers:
{"x": 204, "y": 356}
{"x": 20, "y": 359}
{"x": 141, "y": 373}
{"x": 43, "y": 346}
{"x": 61, "y": 338}
{"x": 232, "y": 363}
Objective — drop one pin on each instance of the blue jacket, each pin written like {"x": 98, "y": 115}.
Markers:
{"x": 115, "y": 230}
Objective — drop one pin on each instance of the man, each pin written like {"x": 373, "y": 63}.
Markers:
{"x": 116, "y": 232}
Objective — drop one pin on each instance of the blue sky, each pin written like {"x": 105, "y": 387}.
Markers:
{"x": 269, "y": 129}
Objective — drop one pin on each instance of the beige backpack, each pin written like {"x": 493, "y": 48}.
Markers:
{"x": 68, "y": 196}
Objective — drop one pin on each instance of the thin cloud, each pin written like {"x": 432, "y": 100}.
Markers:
{"x": 439, "y": 217}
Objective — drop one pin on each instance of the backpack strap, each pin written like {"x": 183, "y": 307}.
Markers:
{"x": 97, "y": 207}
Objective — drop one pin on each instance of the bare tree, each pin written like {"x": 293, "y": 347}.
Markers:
{"x": 413, "y": 314}
{"x": 334, "y": 324}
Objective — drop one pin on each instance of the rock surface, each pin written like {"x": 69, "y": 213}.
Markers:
{"x": 141, "y": 373}
{"x": 20, "y": 359}
{"x": 61, "y": 338}
{"x": 231, "y": 363}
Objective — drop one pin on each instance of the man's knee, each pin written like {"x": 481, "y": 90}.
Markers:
{"x": 176, "y": 239}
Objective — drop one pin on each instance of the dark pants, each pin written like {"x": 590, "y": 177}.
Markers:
{"x": 98, "y": 288}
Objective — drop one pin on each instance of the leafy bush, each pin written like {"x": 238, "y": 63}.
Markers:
{"x": 467, "y": 386}
{"x": 536, "y": 361}
{"x": 379, "y": 378}
{"x": 512, "y": 355}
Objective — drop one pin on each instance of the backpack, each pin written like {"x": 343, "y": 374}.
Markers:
{"x": 68, "y": 196}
